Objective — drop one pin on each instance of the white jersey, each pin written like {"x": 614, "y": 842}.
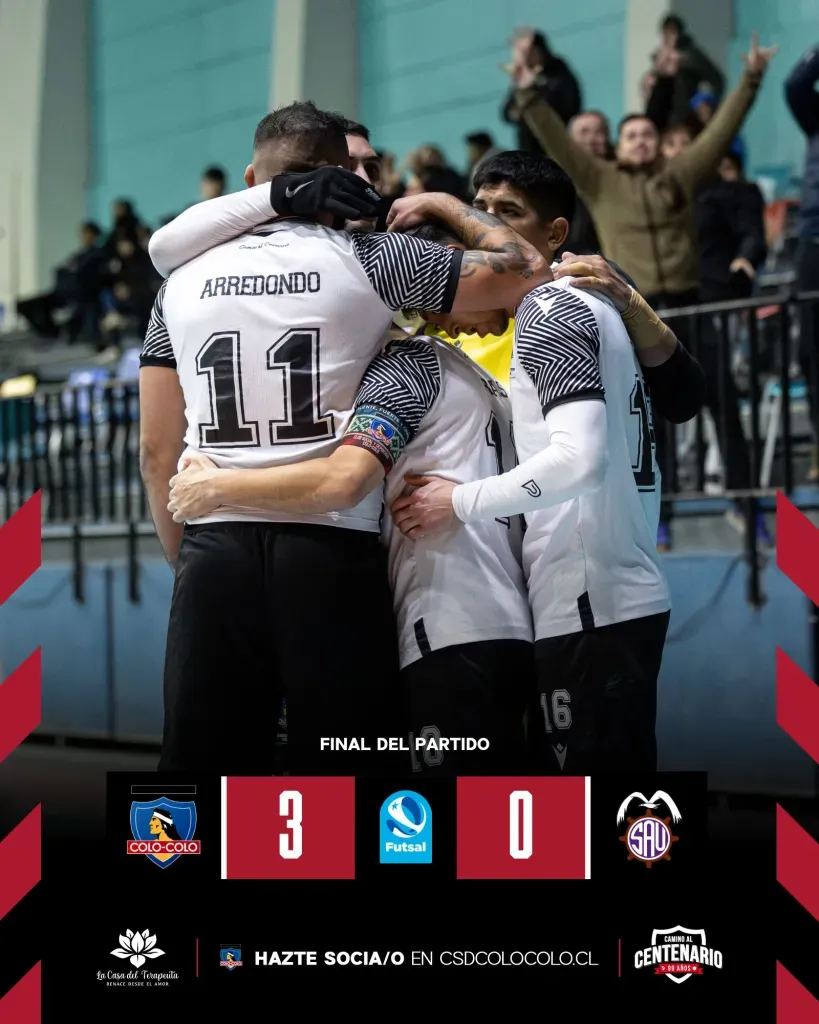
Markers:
{"x": 271, "y": 333}
{"x": 424, "y": 407}
{"x": 591, "y": 561}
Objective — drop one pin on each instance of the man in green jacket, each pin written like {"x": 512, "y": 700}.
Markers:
{"x": 644, "y": 212}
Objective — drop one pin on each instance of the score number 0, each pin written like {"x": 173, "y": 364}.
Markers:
{"x": 520, "y": 824}
{"x": 290, "y": 807}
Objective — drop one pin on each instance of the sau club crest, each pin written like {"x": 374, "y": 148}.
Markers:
{"x": 649, "y": 836}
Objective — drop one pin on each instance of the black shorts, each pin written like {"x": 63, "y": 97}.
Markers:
{"x": 266, "y": 611}
{"x": 471, "y": 691}
{"x": 597, "y": 699}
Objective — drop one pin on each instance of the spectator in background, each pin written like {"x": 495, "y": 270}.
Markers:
{"x": 675, "y": 139}
{"x": 213, "y": 183}
{"x": 590, "y": 130}
{"x": 430, "y": 172}
{"x": 125, "y": 220}
{"x": 803, "y": 100}
{"x": 480, "y": 146}
{"x": 686, "y": 66}
{"x": 731, "y": 233}
{"x": 133, "y": 286}
{"x": 78, "y": 284}
{"x": 549, "y": 76}
{"x": 643, "y": 209}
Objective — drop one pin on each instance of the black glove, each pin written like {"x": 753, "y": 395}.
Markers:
{"x": 330, "y": 190}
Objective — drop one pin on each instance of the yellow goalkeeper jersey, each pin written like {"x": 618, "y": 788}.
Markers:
{"x": 493, "y": 353}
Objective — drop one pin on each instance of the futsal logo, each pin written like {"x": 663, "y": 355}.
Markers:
{"x": 163, "y": 830}
{"x": 230, "y": 957}
{"x": 649, "y": 837}
{"x": 678, "y": 953}
{"x": 406, "y": 829}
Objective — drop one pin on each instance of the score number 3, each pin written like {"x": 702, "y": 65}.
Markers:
{"x": 290, "y": 807}
{"x": 520, "y": 824}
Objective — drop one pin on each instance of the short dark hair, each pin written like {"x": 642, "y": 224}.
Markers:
{"x": 631, "y": 117}
{"x": 92, "y": 228}
{"x": 302, "y": 119}
{"x": 544, "y": 183}
{"x": 480, "y": 139}
{"x": 353, "y": 127}
{"x": 434, "y": 231}
{"x": 214, "y": 174}
{"x": 673, "y": 21}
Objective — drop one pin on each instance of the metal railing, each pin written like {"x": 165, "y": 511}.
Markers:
{"x": 777, "y": 370}
{"x": 79, "y": 445}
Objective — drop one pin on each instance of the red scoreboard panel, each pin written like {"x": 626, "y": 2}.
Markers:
{"x": 279, "y": 827}
{"x": 282, "y": 827}
{"x": 524, "y": 827}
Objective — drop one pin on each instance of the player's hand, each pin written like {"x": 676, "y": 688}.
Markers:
{"x": 410, "y": 211}
{"x": 333, "y": 190}
{"x": 193, "y": 491}
{"x": 595, "y": 273}
{"x": 759, "y": 57}
{"x": 427, "y": 510}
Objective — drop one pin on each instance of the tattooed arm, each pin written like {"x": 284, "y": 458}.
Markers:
{"x": 499, "y": 266}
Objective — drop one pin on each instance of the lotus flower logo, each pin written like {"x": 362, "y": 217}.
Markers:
{"x": 137, "y": 947}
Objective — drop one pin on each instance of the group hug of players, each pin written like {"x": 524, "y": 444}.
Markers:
{"x": 365, "y": 520}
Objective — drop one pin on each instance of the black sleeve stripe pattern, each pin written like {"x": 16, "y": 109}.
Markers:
{"x": 559, "y": 348}
{"x": 157, "y": 349}
{"x": 398, "y": 390}
{"x": 409, "y": 273}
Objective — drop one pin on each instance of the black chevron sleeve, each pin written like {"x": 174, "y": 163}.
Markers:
{"x": 409, "y": 273}
{"x": 157, "y": 349}
{"x": 559, "y": 347}
{"x": 398, "y": 390}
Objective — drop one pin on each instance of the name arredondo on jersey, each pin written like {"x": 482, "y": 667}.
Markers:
{"x": 678, "y": 953}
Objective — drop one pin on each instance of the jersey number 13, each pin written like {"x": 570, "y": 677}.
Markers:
{"x": 294, "y": 358}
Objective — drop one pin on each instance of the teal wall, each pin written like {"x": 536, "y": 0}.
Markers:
{"x": 776, "y": 146}
{"x": 175, "y": 86}
{"x": 428, "y": 69}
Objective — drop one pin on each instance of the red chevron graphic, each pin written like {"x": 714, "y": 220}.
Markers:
{"x": 21, "y": 1004}
{"x": 794, "y": 1004}
{"x": 797, "y": 712}
{"x": 797, "y": 704}
{"x": 20, "y": 861}
{"x": 797, "y": 861}
{"x": 20, "y": 704}
{"x": 21, "y": 547}
{"x": 797, "y": 547}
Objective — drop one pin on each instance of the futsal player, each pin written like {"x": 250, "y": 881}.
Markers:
{"x": 255, "y": 353}
{"x": 226, "y": 217}
{"x": 464, "y": 625}
{"x": 588, "y": 486}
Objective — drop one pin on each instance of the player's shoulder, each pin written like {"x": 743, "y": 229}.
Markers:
{"x": 553, "y": 303}
{"x": 415, "y": 351}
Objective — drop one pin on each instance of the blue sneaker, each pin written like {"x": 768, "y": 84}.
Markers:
{"x": 763, "y": 536}
{"x": 664, "y": 537}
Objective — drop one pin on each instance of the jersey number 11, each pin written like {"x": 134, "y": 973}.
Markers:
{"x": 295, "y": 358}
